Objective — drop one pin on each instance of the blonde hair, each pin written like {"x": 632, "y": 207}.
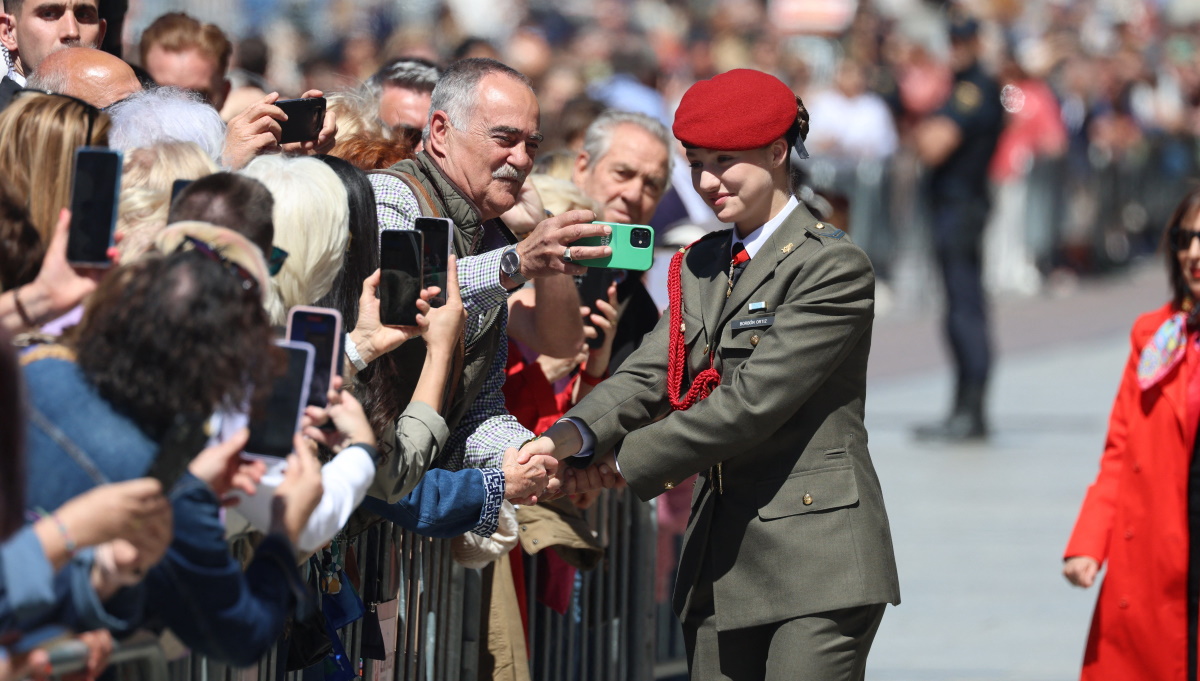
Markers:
{"x": 38, "y": 137}
{"x": 356, "y": 114}
{"x": 149, "y": 175}
{"x": 312, "y": 223}
{"x": 560, "y": 196}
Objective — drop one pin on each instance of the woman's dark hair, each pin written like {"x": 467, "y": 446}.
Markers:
{"x": 1182, "y": 218}
{"x": 799, "y": 129}
{"x": 377, "y": 384}
{"x": 12, "y": 441}
{"x": 174, "y": 336}
{"x": 20, "y": 246}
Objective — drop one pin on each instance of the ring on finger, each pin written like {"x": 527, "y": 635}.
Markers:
{"x": 566, "y": 256}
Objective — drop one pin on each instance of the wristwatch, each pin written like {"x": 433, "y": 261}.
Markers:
{"x": 510, "y": 264}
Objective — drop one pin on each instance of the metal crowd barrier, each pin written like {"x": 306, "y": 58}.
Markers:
{"x": 432, "y": 624}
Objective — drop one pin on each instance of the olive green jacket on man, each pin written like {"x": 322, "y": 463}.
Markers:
{"x": 796, "y": 524}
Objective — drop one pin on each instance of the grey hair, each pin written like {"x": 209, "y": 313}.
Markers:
{"x": 598, "y": 138}
{"x": 51, "y": 81}
{"x": 455, "y": 92}
{"x": 411, "y": 73}
{"x": 166, "y": 114}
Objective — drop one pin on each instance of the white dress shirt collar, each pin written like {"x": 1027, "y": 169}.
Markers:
{"x": 754, "y": 240}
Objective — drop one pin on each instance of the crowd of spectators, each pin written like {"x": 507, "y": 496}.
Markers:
{"x": 1102, "y": 104}
{"x": 113, "y": 380}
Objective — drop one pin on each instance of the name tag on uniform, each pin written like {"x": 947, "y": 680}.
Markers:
{"x": 753, "y": 322}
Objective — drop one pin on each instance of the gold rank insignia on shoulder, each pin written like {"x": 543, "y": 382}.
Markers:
{"x": 786, "y": 249}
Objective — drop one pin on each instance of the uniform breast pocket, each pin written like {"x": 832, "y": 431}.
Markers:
{"x": 745, "y": 333}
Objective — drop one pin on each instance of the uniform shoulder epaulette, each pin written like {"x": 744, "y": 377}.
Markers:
{"x": 825, "y": 230}
{"x": 707, "y": 237}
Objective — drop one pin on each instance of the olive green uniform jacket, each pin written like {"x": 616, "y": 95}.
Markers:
{"x": 797, "y": 524}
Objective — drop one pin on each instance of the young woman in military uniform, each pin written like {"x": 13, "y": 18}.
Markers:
{"x": 756, "y": 380}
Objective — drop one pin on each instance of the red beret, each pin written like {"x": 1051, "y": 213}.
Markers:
{"x": 738, "y": 109}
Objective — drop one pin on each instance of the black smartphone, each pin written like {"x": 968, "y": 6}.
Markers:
{"x": 95, "y": 194}
{"x": 435, "y": 255}
{"x": 400, "y": 255}
{"x": 593, "y": 285}
{"x": 275, "y": 419}
{"x": 305, "y": 118}
{"x": 320, "y": 327}
{"x": 178, "y": 186}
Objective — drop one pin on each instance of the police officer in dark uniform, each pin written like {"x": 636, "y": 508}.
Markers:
{"x": 956, "y": 144}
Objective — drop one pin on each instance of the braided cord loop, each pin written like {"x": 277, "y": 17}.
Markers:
{"x": 706, "y": 381}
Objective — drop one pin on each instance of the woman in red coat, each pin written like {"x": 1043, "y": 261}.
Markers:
{"x": 1144, "y": 508}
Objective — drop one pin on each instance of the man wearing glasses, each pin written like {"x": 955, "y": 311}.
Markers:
{"x": 32, "y": 29}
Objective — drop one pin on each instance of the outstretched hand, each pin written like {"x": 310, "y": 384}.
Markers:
{"x": 542, "y": 251}
{"x": 224, "y": 469}
{"x": 524, "y": 482}
{"x": 602, "y": 474}
{"x": 346, "y": 413}
{"x": 326, "y": 139}
{"x": 370, "y": 336}
{"x": 444, "y": 324}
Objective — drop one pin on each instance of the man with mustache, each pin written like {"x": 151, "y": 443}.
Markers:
{"x": 480, "y": 140}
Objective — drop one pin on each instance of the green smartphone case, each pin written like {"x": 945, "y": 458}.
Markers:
{"x": 625, "y": 255}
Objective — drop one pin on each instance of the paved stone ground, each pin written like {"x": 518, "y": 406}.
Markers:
{"x": 979, "y": 530}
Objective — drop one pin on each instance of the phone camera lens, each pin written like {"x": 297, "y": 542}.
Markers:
{"x": 639, "y": 237}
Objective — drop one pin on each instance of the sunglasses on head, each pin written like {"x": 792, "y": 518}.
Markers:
{"x": 90, "y": 109}
{"x": 276, "y": 259}
{"x": 249, "y": 283}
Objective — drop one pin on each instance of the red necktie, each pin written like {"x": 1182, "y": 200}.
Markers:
{"x": 740, "y": 257}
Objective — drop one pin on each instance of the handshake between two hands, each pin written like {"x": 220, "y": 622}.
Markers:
{"x": 536, "y": 472}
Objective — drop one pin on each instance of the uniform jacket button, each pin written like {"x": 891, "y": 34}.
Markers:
{"x": 754, "y": 339}
{"x": 668, "y": 485}
{"x": 807, "y": 499}
{"x": 1123, "y": 604}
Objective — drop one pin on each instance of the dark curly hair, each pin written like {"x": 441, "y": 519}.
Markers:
{"x": 174, "y": 337}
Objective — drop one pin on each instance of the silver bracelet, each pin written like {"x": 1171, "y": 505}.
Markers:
{"x": 352, "y": 352}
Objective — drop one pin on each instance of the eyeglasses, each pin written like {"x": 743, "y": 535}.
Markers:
{"x": 249, "y": 283}
{"x": 276, "y": 260}
{"x": 90, "y": 109}
{"x": 1181, "y": 239}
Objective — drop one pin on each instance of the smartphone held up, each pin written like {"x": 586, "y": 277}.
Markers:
{"x": 435, "y": 255}
{"x": 632, "y": 247}
{"x": 320, "y": 327}
{"x": 401, "y": 264}
{"x": 95, "y": 194}
{"x": 275, "y": 417}
{"x": 305, "y": 118}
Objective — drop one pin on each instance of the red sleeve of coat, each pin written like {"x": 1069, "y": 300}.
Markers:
{"x": 1093, "y": 528}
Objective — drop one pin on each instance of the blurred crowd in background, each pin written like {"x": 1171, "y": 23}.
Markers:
{"x": 1101, "y": 95}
